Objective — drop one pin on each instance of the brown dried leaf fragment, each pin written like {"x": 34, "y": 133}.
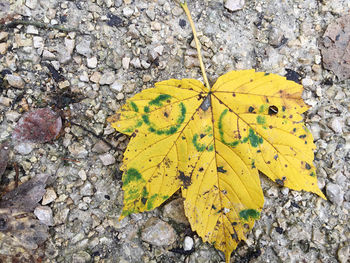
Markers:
{"x": 335, "y": 48}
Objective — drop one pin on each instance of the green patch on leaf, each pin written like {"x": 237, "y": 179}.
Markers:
{"x": 249, "y": 213}
{"x": 158, "y": 101}
{"x": 254, "y": 139}
{"x": 134, "y": 106}
{"x": 131, "y": 175}
{"x": 261, "y": 119}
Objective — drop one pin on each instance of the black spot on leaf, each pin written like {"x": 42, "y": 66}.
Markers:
{"x": 273, "y": 110}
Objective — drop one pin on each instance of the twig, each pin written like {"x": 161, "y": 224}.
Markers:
{"x": 40, "y": 25}
{"x": 92, "y": 133}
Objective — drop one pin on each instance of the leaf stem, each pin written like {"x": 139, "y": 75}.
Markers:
{"x": 187, "y": 12}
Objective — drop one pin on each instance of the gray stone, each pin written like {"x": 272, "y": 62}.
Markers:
{"x": 107, "y": 159}
{"x": 38, "y": 42}
{"x": 24, "y": 148}
{"x": 126, "y": 62}
{"x": 15, "y": 81}
{"x": 12, "y": 115}
{"x": 335, "y": 193}
{"x": 336, "y": 124}
{"x": 87, "y": 189}
{"x": 77, "y": 150}
{"x": 31, "y": 3}
{"x": 344, "y": 254}
{"x": 158, "y": 233}
{"x": 234, "y": 5}
{"x": 117, "y": 86}
{"x": 83, "y": 48}
{"x": 44, "y": 214}
{"x": 101, "y": 147}
{"x": 81, "y": 257}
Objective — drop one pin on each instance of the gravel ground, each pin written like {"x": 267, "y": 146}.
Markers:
{"x": 116, "y": 48}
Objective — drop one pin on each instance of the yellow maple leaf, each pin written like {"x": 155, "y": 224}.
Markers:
{"x": 211, "y": 143}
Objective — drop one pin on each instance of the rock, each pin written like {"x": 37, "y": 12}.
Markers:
{"x": 151, "y": 14}
{"x": 63, "y": 84}
{"x": 3, "y": 36}
{"x": 4, "y": 156}
{"x": 12, "y": 115}
{"x": 81, "y": 257}
{"x": 127, "y": 12}
{"x": 117, "y": 86}
{"x": 24, "y": 148}
{"x": 31, "y": 3}
{"x": 38, "y": 42}
{"x": 49, "y": 196}
{"x": 188, "y": 243}
{"x": 335, "y": 193}
{"x": 120, "y": 96}
{"x": 344, "y": 254}
{"x": 126, "y": 62}
{"x": 234, "y": 5}
{"x": 158, "y": 233}
{"x": 32, "y": 30}
{"x": 336, "y": 124}
{"x": 191, "y": 62}
{"x": 159, "y": 49}
{"x": 91, "y": 62}
{"x": 145, "y": 64}
{"x": 335, "y": 47}
{"x": 83, "y": 48}
{"x": 15, "y": 81}
{"x": 47, "y": 55}
{"x": 95, "y": 77}
{"x": 3, "y": 48}
{"x": 87, "y": 189}
{"x": 77, "y": 150}
{"x": 107, "y": 78}
{"x": 107, "y": 159}
{"x": 44, "y": 214}
{"x": 175, "y": 211}
{"x": 136, "y": 63}
{"x": 82, "y": 175}
{"x": 156, "y": 26}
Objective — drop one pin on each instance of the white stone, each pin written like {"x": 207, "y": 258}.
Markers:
{"x": 3, "y": 36}
{"x": 31, "y": 3}
{"x": 82, "y": 175}
{"x": 159, "y": 50}
{"x": 107, "y": 159}
{"x": 91, "y": 62}
{"x": 127, "y": 12}
{"x": 120, "y": 96}
{"x": 335, "y": 193}
{"x": 234, "y": 5}
{"x": 126, "y": 62}
{"x": 44, "y": 214}
{"x": 336, "y": 125}
{"x": 117, "y": 86}
{"x": 107, "y": 78}
{"x": 32, "y": 30}
{"x": 38, "y": 42}
{"x": 135, "y": 62}
{"x": 14, "y": 80}
{"x": 158, "y": 233}
{"x": 307, "y": 82}
{"x": 188, "y": 243}
{"x": 47, "y": 55}
{"x": 156, "y": 26}
{"x": 69, "y": 44}
{"x": 12, "y": 115}
{"x": 49, "y": 196}
{"x": 3, "y": 48}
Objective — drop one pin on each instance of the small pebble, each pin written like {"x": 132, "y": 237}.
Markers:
{"x": 44, "y": 214}
{"x": 335, "y": 193}
{"x": 126, "y": 62}
{"x": 49, "y": 196}
{"x": 91, "y": 62}
{"x": 158, "y": 233}
{"x": 188, "y": 243}
{"x": 107, "y": 159}
{"x": 107, "y": 78}
{"x": 15, "y": 81}
{"x": 234, "y": 5}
